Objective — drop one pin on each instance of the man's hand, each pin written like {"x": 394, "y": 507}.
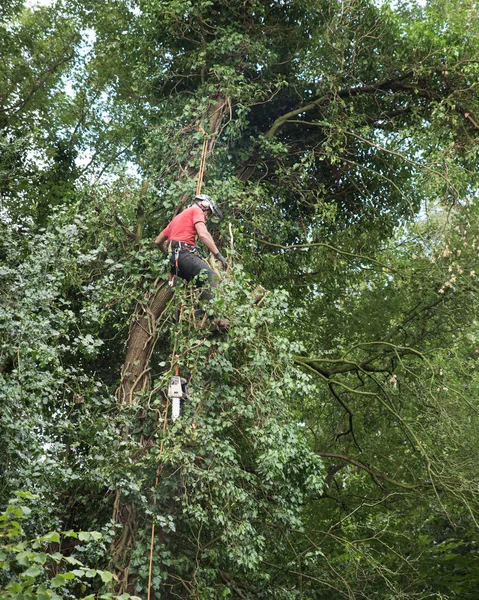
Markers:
{"x": 222, "y": 260}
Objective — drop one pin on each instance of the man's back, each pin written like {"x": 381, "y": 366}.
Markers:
{"x": 182, "y": 227}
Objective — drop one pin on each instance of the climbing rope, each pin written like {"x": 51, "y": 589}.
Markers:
{"x": 174, "y": 361}
{"x": 201, "y": 171}
{"x": 158, "y": 471}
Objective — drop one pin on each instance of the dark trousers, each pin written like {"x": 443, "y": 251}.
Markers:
{"x": 193, "y": 267}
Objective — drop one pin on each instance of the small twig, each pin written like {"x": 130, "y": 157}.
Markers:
{"x": 231, "y": 237}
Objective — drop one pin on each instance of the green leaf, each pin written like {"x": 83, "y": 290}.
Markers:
{"x": 58, "y": 581}
{"x": 71, "y": 560}
{"x": 33, "y": 571}
{"x": 53, "y": 536}
{"x": 78, "y": 572}
{"x": 90, "y": 573}
{"x": 106, "y": 576}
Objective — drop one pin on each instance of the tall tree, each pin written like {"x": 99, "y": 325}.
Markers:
{"x": 342, "y": 147}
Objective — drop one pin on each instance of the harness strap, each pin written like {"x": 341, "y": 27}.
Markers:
{"x": 175, "y": 248}
{"x": 179, "y": 246}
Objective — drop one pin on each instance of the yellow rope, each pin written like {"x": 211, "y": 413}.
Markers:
{"x": 158, "y": 471}
{"x": 201, "y": 172}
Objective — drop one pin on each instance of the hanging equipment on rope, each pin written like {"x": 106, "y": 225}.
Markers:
{"x": 177, "y": 391}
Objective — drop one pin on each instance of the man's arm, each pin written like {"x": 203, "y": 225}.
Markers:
{"x": 161, "y": 241}
{"x": 208, "y": 241}
{"x": 206, "y": 238}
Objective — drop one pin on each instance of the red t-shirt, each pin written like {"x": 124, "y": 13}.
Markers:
{"x": 182, "y": 227}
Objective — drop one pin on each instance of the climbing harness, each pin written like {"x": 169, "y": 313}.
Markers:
{"x": 179, "y": 246}
{"x": 175, "y": 248}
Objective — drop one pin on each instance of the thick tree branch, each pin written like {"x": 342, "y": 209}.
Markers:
{"x": 377, "y": 475}
{"x": 348, "y": 366}
{"x": 392, "y": 85}
{"x": 326, "y": 100}
{"x": 324, "y": 245}
{"x": 430, "y": 95}
{"x": 374, "y": 474}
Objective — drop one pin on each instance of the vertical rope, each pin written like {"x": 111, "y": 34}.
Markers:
{"x": 174, "y": 360}
{"x": 201, "y": 172}
{"x": 199, "y": 185}
{"x": 158, "y": 471}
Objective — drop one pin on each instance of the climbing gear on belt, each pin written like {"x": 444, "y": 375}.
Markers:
{"x": 173, "y": 276}
{"x": 178, "y": 246}
{"x": 175, "y": 248}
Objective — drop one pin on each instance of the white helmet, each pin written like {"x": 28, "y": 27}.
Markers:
{"x": 205, "y": 202}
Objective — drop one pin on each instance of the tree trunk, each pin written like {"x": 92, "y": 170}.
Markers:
{"x": 135, "y": 373}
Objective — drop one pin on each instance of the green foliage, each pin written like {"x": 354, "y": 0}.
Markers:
{"x": 398, "y": 414}
{"x": 37, "y": 155}
{"x": 32, "y": 569}
{"x": 235, "y": 470}
{"x": 327, "y": 446}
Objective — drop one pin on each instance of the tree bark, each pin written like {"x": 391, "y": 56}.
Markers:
{"x": 135, "y": 373}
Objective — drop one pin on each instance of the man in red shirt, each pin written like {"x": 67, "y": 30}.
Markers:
{"x": 181, "y": 234}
